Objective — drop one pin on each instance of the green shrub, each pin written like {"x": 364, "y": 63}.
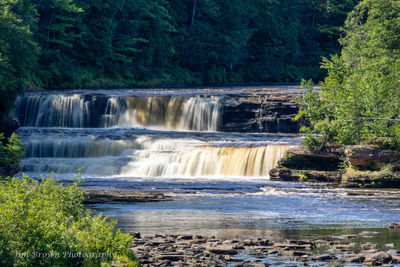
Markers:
{"x": 303, "y": 177}
{"x": 46, "y": 224}
{"x": 13, "y": 151}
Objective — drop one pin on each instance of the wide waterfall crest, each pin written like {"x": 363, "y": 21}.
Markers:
{"x": 145, "y": 156}
{"x": 82, "y": 111}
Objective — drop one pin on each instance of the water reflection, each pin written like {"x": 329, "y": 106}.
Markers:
{"x": 259, "y": 208}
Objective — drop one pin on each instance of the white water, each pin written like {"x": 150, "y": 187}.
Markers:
{"x": 145, "y": 156}
{"x": 53, "y": 111}
{"x": 78, "y": 111}
{"x": 86, "y": 134}
{"x": 194, "y": 113}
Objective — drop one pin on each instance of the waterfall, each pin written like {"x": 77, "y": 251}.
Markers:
{"x": 79, "y": 111}
{"x": 53, "y": 111}
{"x": 145, "y": 156}
{"x": 207, "y": 161}
{"x": 193, "y": 113}
{"x": 124, "y": 133}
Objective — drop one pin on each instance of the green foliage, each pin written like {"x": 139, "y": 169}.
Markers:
{"x": 388, "y": 168}
{"x": 14, "y": 149}
{"x": 119, "y": 43}
{"x": 13, "y": 152}
{"x": 45, "y": 224}
{"x": 18, "y": 51}
{"x": 318, "y": 131}
{"x": 302, "y": 176}
{"x": 360, "y": 97}
{"x": 343, "y": 165}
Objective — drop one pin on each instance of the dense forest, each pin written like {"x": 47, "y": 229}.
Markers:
{"x": 121, "y": 43}
{"x": 359, "y": 101}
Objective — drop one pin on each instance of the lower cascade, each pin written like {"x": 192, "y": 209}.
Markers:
{"x": 145, "y": 156}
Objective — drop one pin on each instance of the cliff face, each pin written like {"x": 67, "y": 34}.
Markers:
{"x": 271, "y": 113}
{"x": 361, "y": 166}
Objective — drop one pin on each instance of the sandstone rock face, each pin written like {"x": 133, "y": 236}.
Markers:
{"x": 394, "y": 226}
{"x": 366, "y": 157}
{"x": 298, "y": 158}
{"x": 300, "y": 165}
{"x": 270, "y": 113}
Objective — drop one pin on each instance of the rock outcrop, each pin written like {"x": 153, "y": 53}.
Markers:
{"x": 368, "y": 157}
{"x": 112, "y": 196}
{"x": 368, "y": 167}
{"x": 272, "y": 113}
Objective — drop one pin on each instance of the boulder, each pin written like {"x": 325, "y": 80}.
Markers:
{"x": 225, "y": 250}
{"x": 354, "y": 258}
{"x": 377, "y": 258}
{"x": 394, "y": 226}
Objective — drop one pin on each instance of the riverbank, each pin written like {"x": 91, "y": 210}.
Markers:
{"x": 362, "y": 166}
{"x": 198, "y": 250}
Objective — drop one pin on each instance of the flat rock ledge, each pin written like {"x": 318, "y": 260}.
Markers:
{"x": 115, "y": 196}
{"x": 196, "y": 250}
{"x": 367, "y": 167}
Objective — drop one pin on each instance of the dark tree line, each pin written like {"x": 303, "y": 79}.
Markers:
{"x": 119, "y": 43}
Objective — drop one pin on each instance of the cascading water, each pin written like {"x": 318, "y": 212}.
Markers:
{"x": 103, "y": 134}
{"x": 194, "y": 113}
{"x": 78, "y": 111}
{"x": 53, "y": 111}
{"x": 146, "y": 156}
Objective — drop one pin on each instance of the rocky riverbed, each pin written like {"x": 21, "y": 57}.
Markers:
{"x": 197, "y": 250}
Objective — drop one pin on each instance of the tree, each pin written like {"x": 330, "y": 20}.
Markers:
{"x": 18, "y": 52}
{"x": 361, "y": 93}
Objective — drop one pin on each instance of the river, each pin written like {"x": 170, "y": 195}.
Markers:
{"x": 209, "y": 149}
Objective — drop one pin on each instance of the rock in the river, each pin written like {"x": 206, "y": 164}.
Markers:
{"x": 110, "y": 196}
{"x": 377, "y": 258}
{"x": 225, "y": 250}
{"x": 354, "y": 258}
{"x": 394, "y": 226}
{"x": 169, "y": 250}
{"x": 285, "y": 174}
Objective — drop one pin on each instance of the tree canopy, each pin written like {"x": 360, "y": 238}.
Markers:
{"x": 122, "y": 43}
{"x": 360, "y": 98}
